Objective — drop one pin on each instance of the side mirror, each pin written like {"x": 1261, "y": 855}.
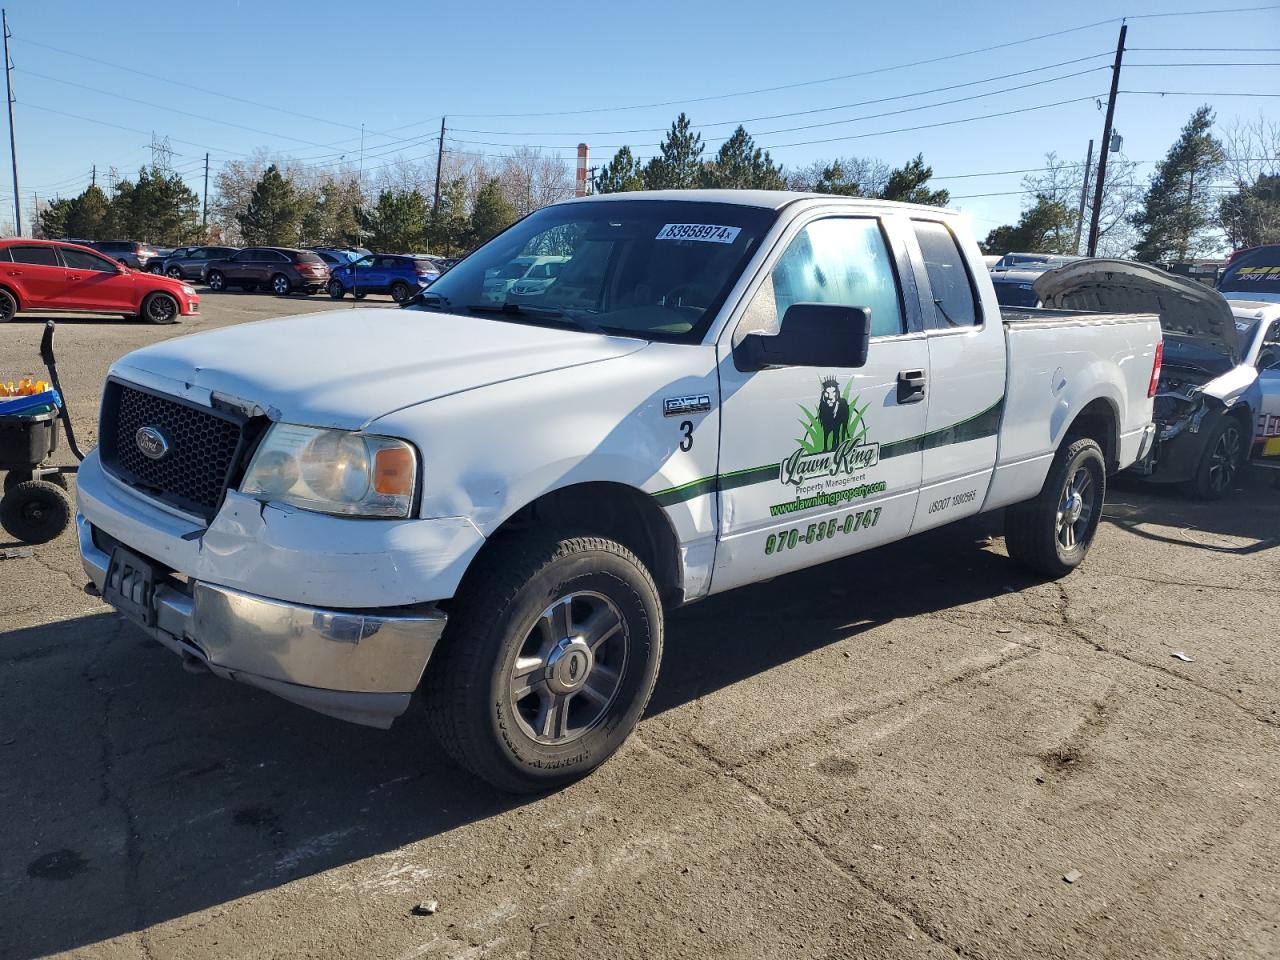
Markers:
{"x": 811, "y": 335}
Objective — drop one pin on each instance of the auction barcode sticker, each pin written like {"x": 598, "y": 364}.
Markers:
{"x": 708, "y": 232}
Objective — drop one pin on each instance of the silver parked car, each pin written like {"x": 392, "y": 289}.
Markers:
{"x": 188, "y": 263}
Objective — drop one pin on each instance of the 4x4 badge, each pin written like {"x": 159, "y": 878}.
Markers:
{"x": 151, "y": 442}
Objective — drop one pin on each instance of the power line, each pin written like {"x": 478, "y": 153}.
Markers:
{"x": 1205, "y": 49}
{"x": 780, "y": 116}
{"x": 1191, "y": 93}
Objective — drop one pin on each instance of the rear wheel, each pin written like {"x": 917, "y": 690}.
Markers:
{"x": 359, "y": 294}
{"x": 280, "y": 285}
{"x": 336, "y": 289}
{"x": 548, "y": 661}
{"x": 1224, "y": 452}
{"x": 1052, "y": 533}
{"x": 8, "y": 306}
{"x": 217, "y": 281}
{"x": 35, "y": 511}
{"x": 160, "y": 308}
{"x": 399, "y": 292}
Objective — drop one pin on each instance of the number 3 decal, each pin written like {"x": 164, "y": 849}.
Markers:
{"x": 686, "y": 428}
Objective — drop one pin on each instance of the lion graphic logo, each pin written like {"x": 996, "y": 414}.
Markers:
{"x": 833, "y": 415}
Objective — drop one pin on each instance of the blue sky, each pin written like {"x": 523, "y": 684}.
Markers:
{"x": 398, "y": 69}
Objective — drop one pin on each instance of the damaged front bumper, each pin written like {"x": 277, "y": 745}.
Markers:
{"x": 361, "y": 666}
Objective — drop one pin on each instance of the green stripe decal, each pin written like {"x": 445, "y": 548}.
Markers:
{"x": 980, "y": 425}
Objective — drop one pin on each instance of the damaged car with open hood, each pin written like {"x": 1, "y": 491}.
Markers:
{"x": 1218, "y": 400}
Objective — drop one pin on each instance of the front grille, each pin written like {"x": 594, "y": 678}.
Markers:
{"x": 204, "y": 447}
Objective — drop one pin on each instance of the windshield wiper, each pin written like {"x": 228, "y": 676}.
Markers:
{"x": 540, "y": 313}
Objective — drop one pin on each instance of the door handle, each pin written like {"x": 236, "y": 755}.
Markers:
{"x": 74, "y": 276}
{"x": 910, "y": 386}
{"x": 15, "y": 273}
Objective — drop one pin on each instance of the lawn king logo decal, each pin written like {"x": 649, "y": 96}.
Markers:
{"x": 829, "y": 467}
{"x": 833, "y": 444}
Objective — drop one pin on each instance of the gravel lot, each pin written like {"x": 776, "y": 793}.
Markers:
{"x": 896, "y": 755}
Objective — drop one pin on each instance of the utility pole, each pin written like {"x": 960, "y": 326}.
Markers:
{"x": 1106, "y": 144}
{"x": 204, "y": 217}
{"x": 360, "y": 187}
{"x": 13, "y": 143}
{"x": 1084, "y": 194}
{"x": 93, "y": 176}
{"x": 435, "y": 204}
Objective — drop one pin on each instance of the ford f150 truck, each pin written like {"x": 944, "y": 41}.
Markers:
{"x": 490, "y": 503}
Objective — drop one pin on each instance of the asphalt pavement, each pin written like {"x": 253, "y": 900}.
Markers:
{"x": 902, "y": 754}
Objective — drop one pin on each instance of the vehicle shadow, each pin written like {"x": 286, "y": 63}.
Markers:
{"x": 1166, "y": 514}
{"x": 136, "y": 793}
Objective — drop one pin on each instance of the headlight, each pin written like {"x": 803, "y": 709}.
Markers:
{"x": 333, "y": 471}
{"x": 188, "y": 290}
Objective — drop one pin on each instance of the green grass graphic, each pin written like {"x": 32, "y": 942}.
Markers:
{"x": 811, "y": 438}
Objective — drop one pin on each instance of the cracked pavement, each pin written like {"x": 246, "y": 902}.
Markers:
{"x": 900, "y": 754}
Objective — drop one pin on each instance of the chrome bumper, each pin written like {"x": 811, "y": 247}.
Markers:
{"x": 358, "y": 666}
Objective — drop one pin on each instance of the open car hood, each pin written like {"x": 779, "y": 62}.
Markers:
{"x": 1190, "y": 312}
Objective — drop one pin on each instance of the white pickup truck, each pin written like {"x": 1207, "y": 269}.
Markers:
{"x": 491, "y": 502}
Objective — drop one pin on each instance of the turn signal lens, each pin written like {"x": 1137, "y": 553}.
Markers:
{"x": 393, "y": 469}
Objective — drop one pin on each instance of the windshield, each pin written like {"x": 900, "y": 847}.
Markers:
{"x": 657, "y": 269}
{"x": 1255, "y": 272}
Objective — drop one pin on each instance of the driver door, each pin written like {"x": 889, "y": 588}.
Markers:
{"x": 818, "y": 462}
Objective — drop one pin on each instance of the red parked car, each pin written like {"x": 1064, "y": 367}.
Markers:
{"x": 49, "y": 275}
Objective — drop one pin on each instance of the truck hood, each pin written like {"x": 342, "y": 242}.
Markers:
{"x": 345, "y": 368}
{"x": 1191, "y": 314}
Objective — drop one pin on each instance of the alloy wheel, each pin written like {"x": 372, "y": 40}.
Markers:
{"x": 1075, "y": 508}
{"x": 161, "y": 309}
{"x": 280, "y": 285}
{"x": 1225, "y": 459}
{"x": 569, "y": 669}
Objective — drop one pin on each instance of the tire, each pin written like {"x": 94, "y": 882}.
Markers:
{"x": 157, "y": 269}
{"x": 336, "y": 289}
{"x": 400, "y": 292}
{"x": 217, "y": 281}
{"x": 35, "y": 511}
{"x": 12, "y": 479}
{"x": 359, "y": 294}
{"x": 1040, "y": 533}
{"x": 160, "y": 308}
{"x": 175, "y": 272}
{"x": 1224, "y": 453}
{"x": 280, "y": 285}
{"x": 8, "y": 306}
{"x": 561, "y": 727}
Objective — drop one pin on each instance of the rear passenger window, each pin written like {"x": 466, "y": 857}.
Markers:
{"x": 44, "y": 256}
{"x": 841, "y": 260}
{"x": 954, "y": 301}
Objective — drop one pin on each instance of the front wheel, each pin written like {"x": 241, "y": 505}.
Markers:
{"x": 1224, "y": 452}
{"x": 548, "y": 661}
{"x": 1052, "y": 533}
{"x": 336, "y": 289}
{"x": 175, "y": 272}
{"x": 160, "y": 308}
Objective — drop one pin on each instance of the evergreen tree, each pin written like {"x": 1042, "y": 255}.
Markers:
{"x": 622, "y": 173}
{"x": 87, "y": 215}
{"x": 1251, "y": 215}
{"x": 274, "y": 214}
{"x": 833, "y": 179}
{"x": 679, "y": 166}
{"x": 1048, "y": 226}
{"x": 491, "y": 212}
{"x": 333, "y": 212}
{"x": 741, "y": 165}
{"x": 398, "y": 221}
{"x": 52, "y": 220}
{"x": 909, "y": 184}
{"x": 1178, "y": 207}
{"x": 449, "y": 227}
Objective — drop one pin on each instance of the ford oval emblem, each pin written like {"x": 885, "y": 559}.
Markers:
{"x": 151, "y": 442}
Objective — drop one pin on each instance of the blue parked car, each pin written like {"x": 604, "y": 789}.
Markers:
{"x": 400, "y": 276}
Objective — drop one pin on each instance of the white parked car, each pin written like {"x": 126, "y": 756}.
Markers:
{"x": 532, "y": 273}
{"x": 492, "y": 504}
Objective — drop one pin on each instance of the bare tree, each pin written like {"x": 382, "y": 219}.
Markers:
{"x": 869, "y": 174}
{"x": 1252, "y": 148}
{"x": 1061, "y": 182}
{"x": 531, "y": 180}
